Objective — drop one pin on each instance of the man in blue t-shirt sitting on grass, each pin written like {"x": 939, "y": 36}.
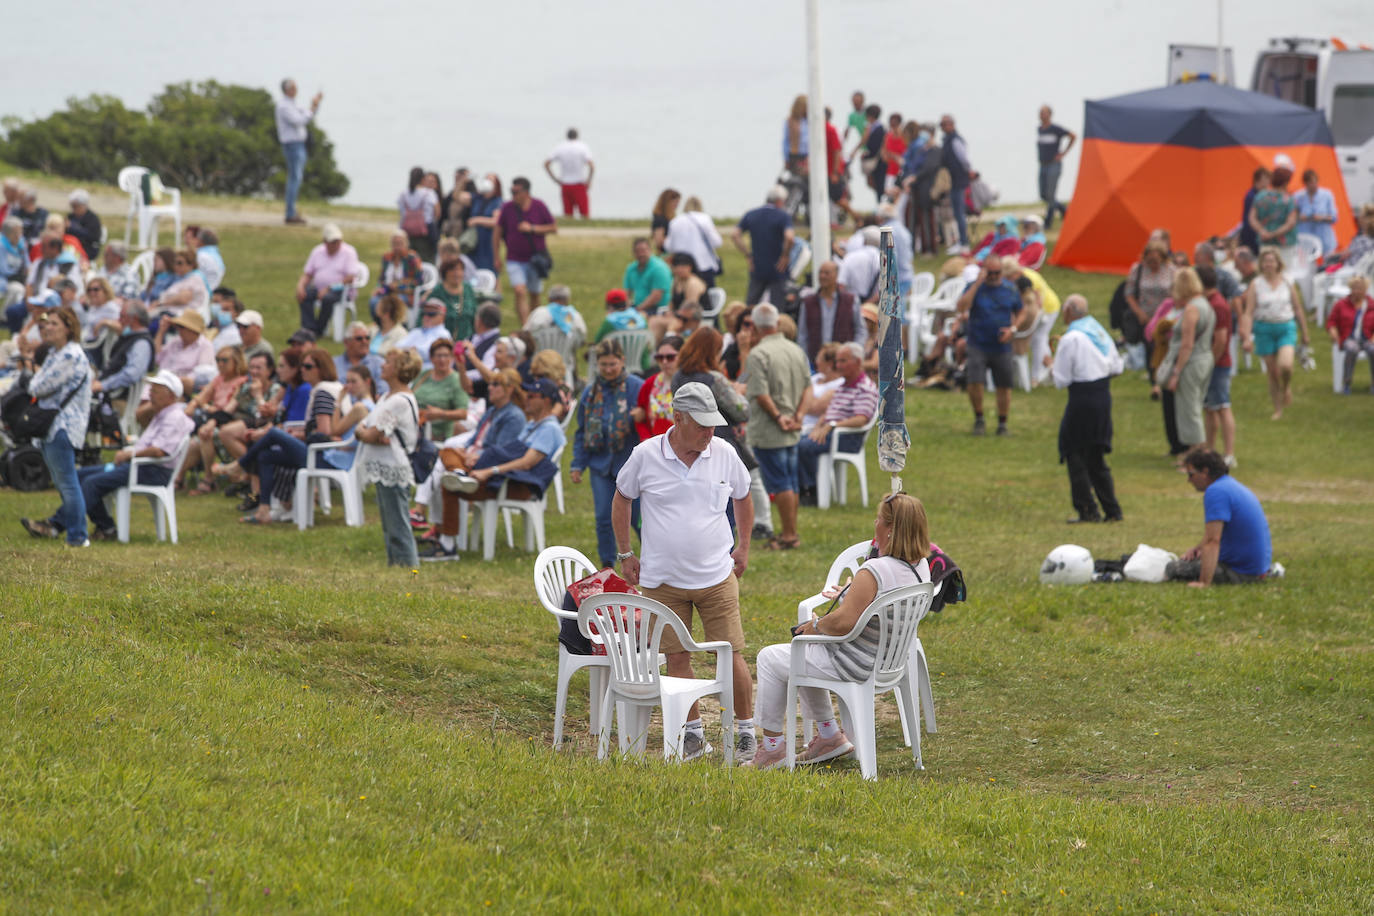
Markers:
{"x": 1235, "y": 543}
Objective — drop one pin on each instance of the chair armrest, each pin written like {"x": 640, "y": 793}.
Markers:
{"x": 313, "y": 450}
{"x": 799, "y": 644}
{"x": 806, "y": 606}
{"x": 724, "y": 656}
{"x": 143, "y": 462}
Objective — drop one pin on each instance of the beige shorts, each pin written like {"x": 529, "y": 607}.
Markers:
{"x": 717, "y": 605}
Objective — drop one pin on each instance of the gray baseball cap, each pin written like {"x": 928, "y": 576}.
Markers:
{"x": 696, "y": 400}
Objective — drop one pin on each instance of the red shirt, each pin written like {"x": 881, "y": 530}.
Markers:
{"x": 1218, "y": 303}
{"x": 895, "y": 145}
{"x": 834, "y": 151}
{"x": 1342, "y": 318}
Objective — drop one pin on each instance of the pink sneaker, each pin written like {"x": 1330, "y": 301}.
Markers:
{"x": 823, "y": 749}
{"x": 764, "y": 759}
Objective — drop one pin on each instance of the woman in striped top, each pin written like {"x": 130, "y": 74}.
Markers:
{"x": 901, "y": 535}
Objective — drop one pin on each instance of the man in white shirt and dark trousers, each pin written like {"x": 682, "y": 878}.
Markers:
{"x": 1085, "y": 362}
{"x": 292, "y": 129}
{"x": 575, "y": 170}
{"x": 684, "y": 480}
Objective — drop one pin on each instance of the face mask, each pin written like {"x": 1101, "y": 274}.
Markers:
{"x": 217, "y": 316}
{"x": 125, "y": 332}
{"x": 923, "y": 138}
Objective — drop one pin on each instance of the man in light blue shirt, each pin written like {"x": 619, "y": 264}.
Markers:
{"x": 1316, "y": 208}
{"x": 292, "y": 129}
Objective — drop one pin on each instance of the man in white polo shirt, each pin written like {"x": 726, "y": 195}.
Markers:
{"x": 684, "y": 482}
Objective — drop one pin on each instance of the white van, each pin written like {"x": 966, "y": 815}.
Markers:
{"x": 1337, "y": 81}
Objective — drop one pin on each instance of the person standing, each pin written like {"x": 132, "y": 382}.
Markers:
{"x": 1216, "y": 403}
{"x": 605, "y": 438}
{"x": 684, "y": 481}
{"x": 1085, "y": 362}
{"x": 387, "y": 436}
{"x": 1316, "y": 208}
{"x": 778, "y": 378}
{"x": 1269, "y": 326}
{"x": 990, "y": 305}
{"x": 292, "y": 130}
{"x": 575, "y": 171}
{"x": 829, "y": 314}
{"x": 954, "y": 157}
{"x": 1049, "y": 144}
{"x": 521, "y": 224}
{"x": 770, "y": 235}
{"x": 1186, "y": 369}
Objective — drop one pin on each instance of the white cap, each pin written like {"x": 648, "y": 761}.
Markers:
{"x": 332, "y": 233}
{"x": 249, "y": 317}
{"x": 1282, "y": 161}
{"x": 168, "y": 379}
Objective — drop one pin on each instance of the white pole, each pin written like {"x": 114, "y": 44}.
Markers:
{"x": 1221, "y": 50}
{"x": 815, "y": 112}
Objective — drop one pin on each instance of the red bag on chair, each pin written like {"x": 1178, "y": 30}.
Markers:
{"x": 599, "y": 583}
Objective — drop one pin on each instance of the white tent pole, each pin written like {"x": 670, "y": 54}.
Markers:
{"x": 1221, "y": 51}
{"x": 819, "y": 207}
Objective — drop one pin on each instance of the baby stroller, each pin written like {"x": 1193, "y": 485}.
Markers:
{"x": 21, "y": 462}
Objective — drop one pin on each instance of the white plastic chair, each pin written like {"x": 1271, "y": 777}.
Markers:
{"x": 553, "y": 338}
{"x": 503, "y": 505}
{"x": 831, "y": 473}
{"x": 554, "y": 570}
{"x": 128, "y": 420}
{"x": 346, "y": 309}
{"x": 632, "y": 650}
{"x": 921, "y": 289}
{"x": 146, "y": 215}
{"x": 321, "y": 476}
{"x": 143, "y": 266}
{"x": 161, "y": 497}
{"x": 483, "y": 280}
{"x": 429, "y": 278}
{"x": 633, "y": 341}
{"x": 532, "y": 508}
{"x": 1338, "y": 368}
{"x": 715, "y": 301}
{"x": 898, "y": 613}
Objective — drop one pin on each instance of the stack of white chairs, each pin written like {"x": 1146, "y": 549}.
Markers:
{"x": 346, "y": 309}
{"x": 146, "y": 215}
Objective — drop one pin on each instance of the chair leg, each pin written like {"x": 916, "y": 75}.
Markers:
{"x": 489, "y": 530}
{"x": 841, "y": 472}
{"x": 122, "y": 514}
{"x": 906, "y": 696}
{"x": 170, "y": 510}
{"x": 510, "y": 538}
{"x": 159, "y": 523}
{"x": 923, "y": 687}
{"x": 561, "y": 703}
{"x": 864, "y": 737}
{"x": 305, "y": 507}
{"x": 789, "y": 723}
{"x": 558, "y": 493}
{"x": 603, "y": 741}
{"x": 596, "y": 695}
{"x": 824, "y": 471}
{"x": 861, "y": 471}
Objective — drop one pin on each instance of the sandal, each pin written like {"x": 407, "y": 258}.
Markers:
{"x": 252, "y": 520}
{"x": 204, "y": 488}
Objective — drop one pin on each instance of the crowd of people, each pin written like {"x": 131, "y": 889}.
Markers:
{"x": 449, "y": 412}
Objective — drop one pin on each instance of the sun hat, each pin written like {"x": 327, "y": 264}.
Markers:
{"x": 191, "y": 320}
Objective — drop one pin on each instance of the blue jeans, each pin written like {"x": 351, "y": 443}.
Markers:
{"x": 603, "y": 493}
{"x": 274, "y": 450}
{"x": 809, "y": 453}
{"x": 1049, "y": 185}
{"x": 60, "y": 458}
{"x": 392, "y": 504}
{"x": 295, "y": 171}
{"x": 778, "y": 466}
{"x": 97, "y": 483}
{"x": 15, "y": 316}
{"x": 956, "y": 203}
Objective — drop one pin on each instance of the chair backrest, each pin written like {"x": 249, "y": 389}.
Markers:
{"x": 554, "y": 570}
{"x": 922, "y": 286}
{"x": 429, "y": 277}
{"x": 949, "y": 290}
{"x": 631, "y": 627}
{"x": 130, "y": 180}
{"x": 634, "y": 341}
{"x": 483, "y": 280}
{"x": 1310, "y": 247}
{"x": 798, "y": 259}
{"x": 143, "y": 266}
{"x": 553, "y": 338}
{"x": 849, "y": 560}
{"x": 898, "y": 613}
{"x": 849, "y": 434}
{"x": 715, "y": 301}
{"x": 364, "y": 275}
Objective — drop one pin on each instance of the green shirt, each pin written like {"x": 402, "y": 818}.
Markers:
{"x": 777, "y": 367}
{"x": 447, "y": 394}
{"x": 459, "y": 309}
{"x": 641, "y": 282}
{"x": 858, "y": 122}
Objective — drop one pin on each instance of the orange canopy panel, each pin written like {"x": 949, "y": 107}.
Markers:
{"x": 1181, "y": 158}
{"x": 1126, "y": 190}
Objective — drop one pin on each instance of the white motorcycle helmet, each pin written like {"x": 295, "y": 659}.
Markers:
{"x": 1067, "y": 564}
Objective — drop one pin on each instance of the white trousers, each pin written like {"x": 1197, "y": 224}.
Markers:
{"x": 772, "y": 667}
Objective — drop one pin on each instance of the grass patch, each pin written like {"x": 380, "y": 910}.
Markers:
{"x": 268, "y": 718}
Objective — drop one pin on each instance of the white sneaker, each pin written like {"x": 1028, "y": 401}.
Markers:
{"x": 746, "y": 745}
{"x": 457, "y": 482}
{"x": 1230, "y": 462}
{"x": 694, "y": 746}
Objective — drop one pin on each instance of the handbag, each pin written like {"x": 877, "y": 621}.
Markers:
{"x": 413, "y": 221}
{"x": 424, "y": 454}
{"x": 29, "y": 421}
{"x": 467, "y": 240}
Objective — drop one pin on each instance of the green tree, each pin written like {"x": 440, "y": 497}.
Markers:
{"x": 205, "y": 137}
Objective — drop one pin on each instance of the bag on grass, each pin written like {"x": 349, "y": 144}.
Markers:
{"x": 1147, "y": 564}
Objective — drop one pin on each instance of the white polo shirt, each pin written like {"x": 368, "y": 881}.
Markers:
{"x": 685, "y": 535}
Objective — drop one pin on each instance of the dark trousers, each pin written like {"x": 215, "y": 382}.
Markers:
{"x": 15, "y": 316}
{"x": 1088, "y": 473}
{"x": 1191, "y": 571}
{"x": 97, "y": 483}
{"x": 326, "y": 301}
{"x": 776, "y": 288}
{"x": 1166, "y": 398}
{"x": 275, "y": 453}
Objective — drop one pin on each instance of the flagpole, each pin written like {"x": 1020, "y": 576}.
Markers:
{"x": 819, "y": 206}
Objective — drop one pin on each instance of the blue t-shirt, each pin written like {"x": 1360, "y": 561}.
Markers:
{"x": 483, "y": 255}
{"x": 1047, "y": 140}
{"x": 296, "y": 402}
{"x": 992, "y": 310}
{"x": 1245, "y": 533}
{"x": 766, "y": 226}
{"x": 544, "y": 436}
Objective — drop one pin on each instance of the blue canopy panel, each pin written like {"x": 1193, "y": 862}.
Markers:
{"x": 1204, "y": 115}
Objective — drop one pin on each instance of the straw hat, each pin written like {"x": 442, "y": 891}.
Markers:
{"x": 191, "y": 320}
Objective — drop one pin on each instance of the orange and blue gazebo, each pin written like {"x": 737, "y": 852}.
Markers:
{"x": 1181, "y": 158}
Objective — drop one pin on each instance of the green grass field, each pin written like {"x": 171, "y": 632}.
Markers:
{"x": 273, "y": 720}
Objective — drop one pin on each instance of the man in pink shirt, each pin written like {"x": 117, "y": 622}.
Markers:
{"x": 169, "y": 428}
{"x": 188, "y": 351}
{"x": 332, "y": 265}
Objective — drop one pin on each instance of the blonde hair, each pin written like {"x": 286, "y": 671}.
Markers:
{"x": 786, "y": 326}
{"x": 549, "y": 364}
{"x": 905, "y": 517}
{"x": 408, "y": 365}
{"x": 798, "y": 108}
{"x": 235, "y": 356}
{"x": 101, "y": 284}
{"x": 1270, "y": 249}
{"x": 1187, "y": 286}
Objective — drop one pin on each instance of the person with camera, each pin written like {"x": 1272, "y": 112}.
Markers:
{"x": 990, "y": 305}
{"x": 62, "y": 385}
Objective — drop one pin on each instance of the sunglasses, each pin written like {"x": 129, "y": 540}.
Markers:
{"x": 309, "y": 366}
{"x": 223, "y": 359}
{"x": 664, "y": 357}
{"x": 891, "y": 496}
{"x": 361, "y": 338}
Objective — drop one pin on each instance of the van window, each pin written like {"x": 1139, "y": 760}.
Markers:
{"x": 1352, "y": 115}
{"x": 1291, "y": 77}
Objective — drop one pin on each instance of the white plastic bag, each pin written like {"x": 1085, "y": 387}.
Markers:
{"x": 1147, "y": 564}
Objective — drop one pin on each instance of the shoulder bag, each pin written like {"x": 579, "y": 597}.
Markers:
{"x": 29, "y": 421}
{"x": 424, "y": 454}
